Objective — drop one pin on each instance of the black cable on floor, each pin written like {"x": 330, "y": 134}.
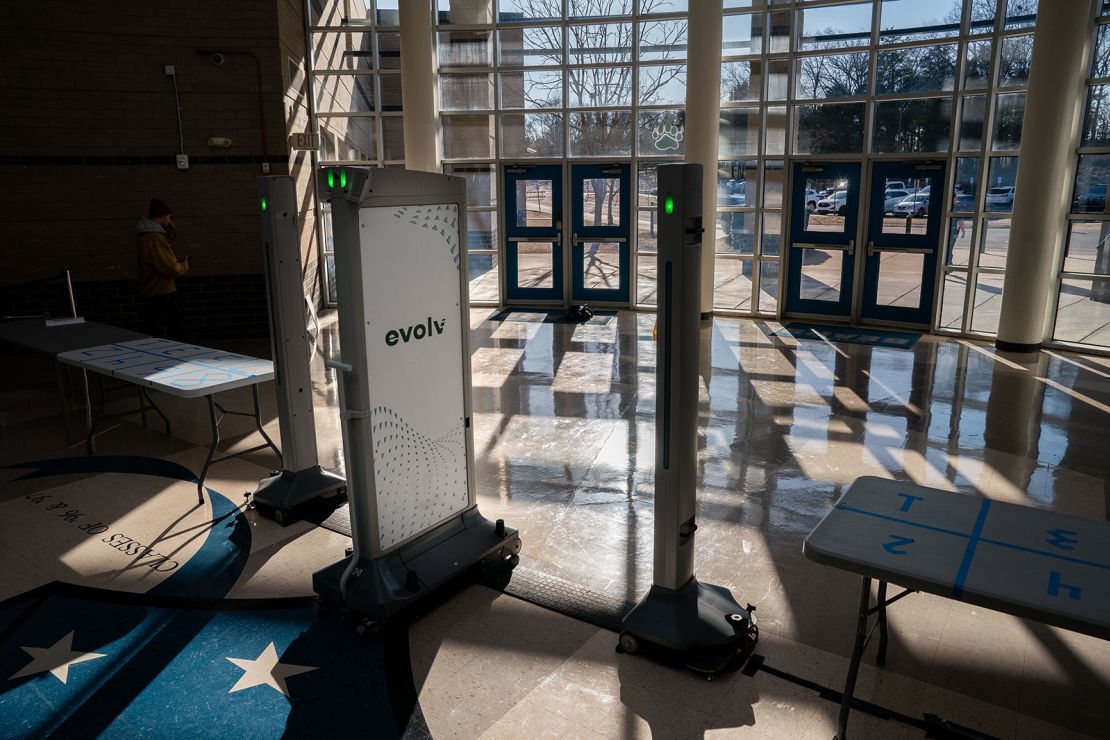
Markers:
{"x": 608, "y": 612}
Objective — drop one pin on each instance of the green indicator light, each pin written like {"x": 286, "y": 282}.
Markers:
{"x": 342, "y": 178}
{"x": 331, "y": 179}
{"x": 264, "y": 204}
{"x": 668, "y": 204}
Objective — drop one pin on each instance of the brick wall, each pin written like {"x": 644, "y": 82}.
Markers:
{"x": 90, "y": 129}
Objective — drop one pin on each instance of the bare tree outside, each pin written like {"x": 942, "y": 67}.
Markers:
{"x": 600, "y": 81}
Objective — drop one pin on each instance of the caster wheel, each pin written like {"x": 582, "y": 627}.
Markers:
{"x": 284, "y": 517}
{"x": 369, "y": 628}
{"x": 628, "y": 644}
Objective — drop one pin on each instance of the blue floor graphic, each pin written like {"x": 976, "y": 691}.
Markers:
{"x": 849, "y": 335}
{"x": 181, "y": 660}
{"x": 79, "y": 663}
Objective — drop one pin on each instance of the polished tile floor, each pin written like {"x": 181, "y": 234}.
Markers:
{"x": 564, "y": 443}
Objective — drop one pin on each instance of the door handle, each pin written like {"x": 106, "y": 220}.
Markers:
{"x": 559, "y": 233}
{"x": 871, "y": 249}
{"x": 851, "y": 247}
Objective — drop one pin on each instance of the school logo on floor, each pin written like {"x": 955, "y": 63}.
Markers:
{"x": 128, "y": 524}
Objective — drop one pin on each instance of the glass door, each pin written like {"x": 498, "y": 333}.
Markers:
{"x": 824, "y": 211}
{"x": 533, "y": 233}
{"x": 601, "y": 217}
{"x": 903, "y": 239}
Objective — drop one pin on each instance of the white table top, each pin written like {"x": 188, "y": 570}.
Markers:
{"x": 1033, "y": 563}
{"x": 184, "y": 370}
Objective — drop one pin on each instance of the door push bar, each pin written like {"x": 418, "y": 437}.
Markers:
{"x": 872, "y": 248}
{"x": 850, "y": 247}
{"x": 579, "y": 239}
{"x": 558, "y": 238}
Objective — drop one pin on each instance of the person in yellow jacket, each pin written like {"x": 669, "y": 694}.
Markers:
{"x": 158, "y": 269}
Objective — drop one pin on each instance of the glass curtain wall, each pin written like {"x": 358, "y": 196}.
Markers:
{"x": 995, "y": 59}
{"x": 844, "y": 79}
{"x": 1083, "y": 289}
{"x": 559, "y": 80}
{"x": 356, "y": 55}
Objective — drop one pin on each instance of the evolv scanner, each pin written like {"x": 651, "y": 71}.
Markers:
{"x": 301, "y": 479}
{"x": 682, "y": 620}
{"x": 404, "y": 391}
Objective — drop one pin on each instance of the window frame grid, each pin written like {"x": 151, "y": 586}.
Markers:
{"x": 1100, "y": 21}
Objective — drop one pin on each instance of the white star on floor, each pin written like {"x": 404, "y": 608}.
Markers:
{"x": 266, "y": 670}
{"x": 57, "y": 659}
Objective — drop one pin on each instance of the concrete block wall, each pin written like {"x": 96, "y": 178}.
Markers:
{"x": 89, "y": 134}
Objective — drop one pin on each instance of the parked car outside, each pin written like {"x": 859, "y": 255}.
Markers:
{"x": 836, "y": 203}
{"x": 892, "y": 198}
{"x": 1092, "y": 200}
{"x": 914, "y": 205}
{"x": 811, "y": 199}
{"x": 895, "y": 185}
{"x": 1001, "y": 196}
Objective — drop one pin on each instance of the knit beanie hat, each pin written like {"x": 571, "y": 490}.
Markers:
{"x": 158, "y": 208}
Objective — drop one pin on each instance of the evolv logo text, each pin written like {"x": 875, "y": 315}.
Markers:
{"x": 415, "y": 331}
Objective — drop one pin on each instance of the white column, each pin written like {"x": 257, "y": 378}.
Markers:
{"x": 418, "y": 87}
{"x": 703, "y": 113}
{"x": 1042, "y": 191}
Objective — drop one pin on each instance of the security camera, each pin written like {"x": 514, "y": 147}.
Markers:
{"x": 217, "y": 58}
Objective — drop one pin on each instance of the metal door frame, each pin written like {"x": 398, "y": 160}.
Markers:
{"x": 558, "y": 293}
{"x": 853, "y": 236}
{"x": 867, "y": 162}
{"x": 928, "y": 244}
{"x": 566, "y": 232}
{"x": 621, "y": 234}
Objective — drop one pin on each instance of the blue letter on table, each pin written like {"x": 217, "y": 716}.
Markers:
{"x": 1065, "y": 539}
{"x": 909, "y": 501}
{"x": 897, "y": 542}
{"x": 1055, "y": 584}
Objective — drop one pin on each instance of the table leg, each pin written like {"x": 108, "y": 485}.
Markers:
{"x": 93, "y": 419}
{"x": 216, "y": 412}
{"x": 63, "y": 400}
{"x": 154, "y": 406}
{"x": 212, "y": 449}
{"x": 90, "y": 419}
{"x": 881, "y": 657}
{"x": 857, "y": 655}
{"x": 142, "y": 403}
{"x": 258, "y": 422}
